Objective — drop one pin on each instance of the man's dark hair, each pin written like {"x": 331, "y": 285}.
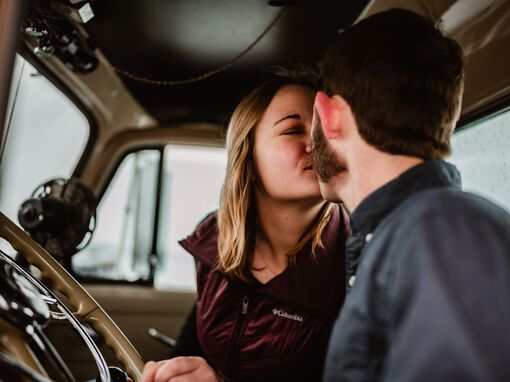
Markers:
{"x": 403, "y": 80}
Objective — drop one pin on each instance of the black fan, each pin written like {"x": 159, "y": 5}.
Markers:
{"x": 60, "y": 216}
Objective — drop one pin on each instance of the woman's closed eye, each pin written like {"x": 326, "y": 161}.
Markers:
{"x": 293, "y": 131}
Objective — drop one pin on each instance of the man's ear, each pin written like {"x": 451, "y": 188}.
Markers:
{"x": 331, "y": 113}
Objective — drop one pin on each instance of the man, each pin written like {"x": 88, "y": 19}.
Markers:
{"x": 428, "y": 265}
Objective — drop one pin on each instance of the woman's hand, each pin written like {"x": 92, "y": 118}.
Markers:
{"x": 179, "y": 369}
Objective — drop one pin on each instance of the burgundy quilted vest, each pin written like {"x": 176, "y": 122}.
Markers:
{"x": 276, "y": 331}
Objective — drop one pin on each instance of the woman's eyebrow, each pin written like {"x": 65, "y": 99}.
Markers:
{"x": 290, "y": 116}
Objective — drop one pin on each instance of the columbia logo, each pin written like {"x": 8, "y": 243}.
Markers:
{"x": 281, "y": 313}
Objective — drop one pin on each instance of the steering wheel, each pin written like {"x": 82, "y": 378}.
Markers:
{"x": 85, "y": 309}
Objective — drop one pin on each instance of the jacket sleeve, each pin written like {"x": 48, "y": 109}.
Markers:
{"x": 451, "y": 307}
{"x": 187, "y": 343}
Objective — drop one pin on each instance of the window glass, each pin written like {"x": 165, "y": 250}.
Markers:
{"x": 122, "y": 241}
{"x": 38, "y": 114}
{"x": 480, "y": 152}
{"x": 193, "y": 177}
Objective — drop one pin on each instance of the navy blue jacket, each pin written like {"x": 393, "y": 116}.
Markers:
{"x": 429, "y": 279}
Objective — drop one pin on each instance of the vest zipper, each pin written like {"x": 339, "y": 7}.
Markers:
{"x": 234, "y": 342}
{"x": 244, "y": 308}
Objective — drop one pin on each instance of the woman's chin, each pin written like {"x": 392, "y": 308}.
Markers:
{"x": 315, "y": 194}
{"x": 316, "y": 189}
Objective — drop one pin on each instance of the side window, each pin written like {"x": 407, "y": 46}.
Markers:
{"x": 193, "y": 177}
{"x": 148, "y": 207}
{"x": 480, "y": 152}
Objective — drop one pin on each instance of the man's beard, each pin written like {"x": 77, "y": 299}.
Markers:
{"x": 325, "y": 162}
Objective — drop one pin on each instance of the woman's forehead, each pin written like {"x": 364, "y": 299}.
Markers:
{"x": 290, "y": 99}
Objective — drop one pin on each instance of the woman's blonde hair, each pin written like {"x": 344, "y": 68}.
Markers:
{"x": 237, "y": 212}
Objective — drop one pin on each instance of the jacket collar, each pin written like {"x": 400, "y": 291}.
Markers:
{"x": 426, "y": 175}
{"x": 316, "y": 283}
{"x": 202, "y": 243}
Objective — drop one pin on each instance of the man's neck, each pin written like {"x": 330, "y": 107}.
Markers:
{"x": 382, "y": 167}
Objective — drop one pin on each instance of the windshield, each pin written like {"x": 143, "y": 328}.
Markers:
{"x": 45, "y": 137}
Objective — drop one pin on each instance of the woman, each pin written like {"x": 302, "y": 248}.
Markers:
{"x": 271, "y": 262}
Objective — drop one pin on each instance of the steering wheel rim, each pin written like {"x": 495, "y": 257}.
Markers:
{"x": 87, "y": 310}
